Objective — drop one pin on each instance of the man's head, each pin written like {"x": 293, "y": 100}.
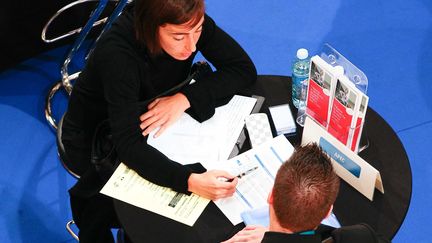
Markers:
{"x": 305, "y": 189}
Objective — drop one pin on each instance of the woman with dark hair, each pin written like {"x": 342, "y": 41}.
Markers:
{"x": 148, "y": 50}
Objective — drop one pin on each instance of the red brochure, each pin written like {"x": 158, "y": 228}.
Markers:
{"x": 343, "y": 116}
{"x": 318, "y": 101}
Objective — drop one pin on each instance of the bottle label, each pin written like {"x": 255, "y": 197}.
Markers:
{"x": 297, "y": 83}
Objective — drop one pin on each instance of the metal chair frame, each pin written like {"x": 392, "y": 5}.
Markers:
{"x": 120, "y": 232}
{"x": 69, "y": 229}
{"x": 66, "y": 78}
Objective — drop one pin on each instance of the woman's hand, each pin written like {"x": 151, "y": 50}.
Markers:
{"x": 250, "y": 234}
{"x": 212, "y": 184}
{"x": 163, "y": 112}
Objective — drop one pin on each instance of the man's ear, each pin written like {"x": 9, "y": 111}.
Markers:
{"x": 329, "y": 212}
{"x": 270, "y": 197}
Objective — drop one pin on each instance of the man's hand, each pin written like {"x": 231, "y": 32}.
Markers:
{"x": 250, "y": 234}
{"x": 212, "y": 184}
{"x": 163, "y": 112}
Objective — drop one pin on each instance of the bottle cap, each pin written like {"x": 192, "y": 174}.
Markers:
{"x": 302, "y": 53}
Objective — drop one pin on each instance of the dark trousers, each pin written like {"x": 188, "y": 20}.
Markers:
{"x": 95, "y": 217}
{"x": 92, "y": 211}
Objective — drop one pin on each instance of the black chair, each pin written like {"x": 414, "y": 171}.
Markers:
{"x": 83, "y": 32}
{"x": 120, "y": 233}
{"x": 66, "y": 79}
{"x": 65, "y": 82}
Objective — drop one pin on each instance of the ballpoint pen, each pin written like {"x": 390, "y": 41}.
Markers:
{"x": 243, "y": 173}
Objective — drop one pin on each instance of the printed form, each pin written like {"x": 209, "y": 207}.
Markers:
{"x": 188, "y": 141}
{"x": 127, "y": 186}
{"x": 253, "y": 189}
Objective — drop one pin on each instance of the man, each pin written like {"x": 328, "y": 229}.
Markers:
{"x": 303, "y": 194}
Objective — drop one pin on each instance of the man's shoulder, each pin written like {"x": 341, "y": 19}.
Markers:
{"x": 361, "y": 233}
{"x": 276, "y": 237}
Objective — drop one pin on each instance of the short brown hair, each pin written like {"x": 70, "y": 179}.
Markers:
{"x": 305, "y": 188}
{"x": 151, "y": 14}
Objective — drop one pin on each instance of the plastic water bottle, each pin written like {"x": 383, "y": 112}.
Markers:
{"x": 301, "y": 113}
{"x": 300, "y": 72}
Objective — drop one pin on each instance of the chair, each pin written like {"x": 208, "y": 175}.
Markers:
{"x": 69, "y": 229}
{"x": 83, "y": 32}
{"x": 62, "y": 152}
{"x": 120, "y": 232}
{"x": 66, "y": 78}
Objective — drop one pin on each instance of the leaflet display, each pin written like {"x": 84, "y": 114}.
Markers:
{"x": 336, "y": 98}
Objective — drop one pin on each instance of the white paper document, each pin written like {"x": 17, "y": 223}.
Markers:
{"x": 188, "y": 141}
{"x": 283, "y": 119}
{"x": 253, "y": 189}
{"x": 347, "y": 164}
{"x": 127, "y": 186}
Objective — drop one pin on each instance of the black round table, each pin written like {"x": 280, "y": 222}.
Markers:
{"x": 385, "y": 213}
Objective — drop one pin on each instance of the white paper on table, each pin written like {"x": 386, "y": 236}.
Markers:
{"x": 127, "y": 186}
{"x": 283, "y": 119}
{"x": 253, "y": 189}
{"x": 188, "y": 141}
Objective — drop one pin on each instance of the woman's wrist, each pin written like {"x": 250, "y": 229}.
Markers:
{"x": 184, "y": 102}
{"x": 191, "y": 181}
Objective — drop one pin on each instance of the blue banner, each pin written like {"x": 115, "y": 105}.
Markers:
{"x": 340, "y": 157}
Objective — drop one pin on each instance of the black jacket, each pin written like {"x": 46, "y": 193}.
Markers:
{"x": 120, "y": 73}
{"x": 359, "y": 233}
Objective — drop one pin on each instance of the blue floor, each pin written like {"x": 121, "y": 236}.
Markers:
{"x": 389, "y": 40}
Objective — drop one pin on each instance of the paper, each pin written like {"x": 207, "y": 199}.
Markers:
{"x": 127, "y": 186}
{"x": 188, "y": 141}
{"x": 321, "y": 85}
{"x": 253, "y": 189}
{"x": 258, "y": 128}
{"x": 346, "y": 163}
{"x": 345, "y": 106}
{"x": 283, "y": 119}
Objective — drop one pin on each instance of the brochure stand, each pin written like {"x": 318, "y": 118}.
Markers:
{"x": 335, "y": 106}
{"x": 360, "y": 81}
{"x": 355, "y": 75}
{"x": 336, "y": 96}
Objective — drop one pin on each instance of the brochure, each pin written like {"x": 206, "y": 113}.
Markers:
{"x": 359, "y": 124}
{"x": 345, "y": 103}
{"x": 335, "y": 103}
{"x": 320, "y": 88}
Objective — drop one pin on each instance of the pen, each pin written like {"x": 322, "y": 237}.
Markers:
{"x": 243, "y": 173}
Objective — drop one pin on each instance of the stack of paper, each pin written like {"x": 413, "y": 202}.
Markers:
{"x": 188, "y": 141}
{"x": 283, "y": 119}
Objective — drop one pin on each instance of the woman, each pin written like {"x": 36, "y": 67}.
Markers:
{"x": 149, "y": 49}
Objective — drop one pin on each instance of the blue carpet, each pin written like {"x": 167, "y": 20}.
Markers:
{"x": 389, "y": 40}
{"x": 418, "y": 150}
